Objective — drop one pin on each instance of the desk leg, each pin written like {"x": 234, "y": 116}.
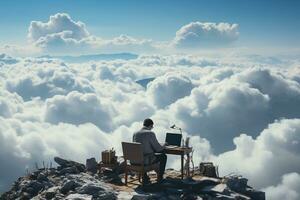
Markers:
{"x": 182, "y": 158}
{"x": 188, "y": 165}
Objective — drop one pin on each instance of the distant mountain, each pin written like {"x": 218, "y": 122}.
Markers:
{"x": 144, "y": 82}
{"x": 94, "y": 57}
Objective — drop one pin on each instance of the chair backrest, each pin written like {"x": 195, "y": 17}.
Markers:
{"x": 133, "y": 152}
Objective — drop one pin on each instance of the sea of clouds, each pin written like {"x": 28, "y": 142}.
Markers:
{"x": 241, "y": 111}
{"x": 244, "y": 115}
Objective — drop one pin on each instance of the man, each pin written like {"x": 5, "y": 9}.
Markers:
{"x": 153, "y": 151}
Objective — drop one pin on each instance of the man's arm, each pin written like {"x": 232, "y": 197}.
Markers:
{"x": 155, "y": 144}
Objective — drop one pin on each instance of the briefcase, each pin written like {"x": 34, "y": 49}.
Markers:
{"x": 108, "y": 156}
{"x": 208, "y": 169}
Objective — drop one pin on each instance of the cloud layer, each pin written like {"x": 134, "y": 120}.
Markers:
{"x": 199, "y": 34}
{"x": 236, "y": 114}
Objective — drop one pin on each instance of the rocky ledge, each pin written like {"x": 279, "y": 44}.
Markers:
{"x": 72, "y": 180}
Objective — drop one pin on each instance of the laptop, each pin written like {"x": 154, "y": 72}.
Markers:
{"x": 173, "y": 139}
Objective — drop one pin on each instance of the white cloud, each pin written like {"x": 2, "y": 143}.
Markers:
{"x": 62, "y": 35}
{"x": 288, "y": 188}
{"x": 77, "y": 108}
{"x": 10, "y": 104}
{"x": 214, "y": 100}
{"x": 46, "y": 83}
{"x": 264, "y": 160}
{"x": 205, "y": 34}
{"x": 167, "y": 89}
{"x": 23, "y": 144}
{"x": 233, "y": 105}
{"x": 21, "y": 50}
{"x": 58, "y": 23}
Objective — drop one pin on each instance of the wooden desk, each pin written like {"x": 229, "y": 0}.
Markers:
{"x": 181, "y": 151}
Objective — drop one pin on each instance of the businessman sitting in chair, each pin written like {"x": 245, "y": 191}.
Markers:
{"x": 153, "y": 151}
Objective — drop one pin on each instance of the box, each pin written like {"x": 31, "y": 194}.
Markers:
{"x": 108, "y": 156}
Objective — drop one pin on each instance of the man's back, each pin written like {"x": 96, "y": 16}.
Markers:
{"x": 148, "y": 140}
{"x": 150, "y": 146}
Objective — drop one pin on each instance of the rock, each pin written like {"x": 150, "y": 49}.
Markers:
{"x": 97, "y": 190}
{"x": 91, "y": 165}
{"x": 51, "y": 192}
{"x": 224, "y": 197}
{"x": 90, "y": 188}
{"x": 79, "y": 197}
{"x": 236, "y": 183}
{"x": 106, "y": 196}
{"x": 69, "y": 163}
{"x": 42, "y": 177}
{"x": 141, "y": 197}
{"x": 69, "y": 170}
{"x": 33, "y": 188}
{"x": 25, "y": 196}
{"x": 68, "y": 182}
{"x": 189, "y": 196}
{"x": 254, "y": 194}
{"x": 220, "y": 188}
{"x": 124, "y": 195}
{"x": 69, "y": 185}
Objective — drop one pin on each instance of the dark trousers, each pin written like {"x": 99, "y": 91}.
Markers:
{"x": 162, "y": 159}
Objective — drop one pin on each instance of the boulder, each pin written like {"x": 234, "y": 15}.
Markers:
{"x": 33, "y": 187}
{"x": 51, "y": 192}
{"x": 42, "y": 177}
{"x": 236, "y": 183}
{"x": 69, "y": 163}
{"x": 91, "y": 165}
{"x": 68, "y": 185}
{"x": 90, "y": 188}
{"x": 69, "y": 170}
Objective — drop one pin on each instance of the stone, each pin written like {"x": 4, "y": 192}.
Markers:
{"x": 67, "y": 182}
{"x": 90, "y": 188}
{"x": 141, "y": 197}
{"x": 69, "y": 170}
{"x": 254, "y": 194}
{"x": 236, "y": 183}
{"x": 79, "y": 197}
{"x": 105, "y": 196}
{"x": 124, "y": 195}
{"x": 33, "y": 187}
{"x": 68, "y": 185}
{"x": 224, "y": 197}
{"x": 69, "y": 163}
{"x": 189, "y": 196}
{"x": 220, "y": 188}
{"x": 91, "y": 165}
{"x": 51, "y": 192}
{"x": 42, "y": 177}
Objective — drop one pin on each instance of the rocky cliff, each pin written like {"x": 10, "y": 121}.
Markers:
{"x": 72, "y": 180}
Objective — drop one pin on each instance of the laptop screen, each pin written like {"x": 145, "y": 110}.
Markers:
{"x": 173, "y": 139}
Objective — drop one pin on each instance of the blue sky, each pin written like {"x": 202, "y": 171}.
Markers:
{"x": 261, "y": 23}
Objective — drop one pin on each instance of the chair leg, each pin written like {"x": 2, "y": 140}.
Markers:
{"x": 143, "y": 180}
{"x": 126, "y": 176}
{"x": 140, "y": 175}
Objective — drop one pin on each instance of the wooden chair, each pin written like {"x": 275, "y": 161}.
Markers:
{"x": 133, "y": 153}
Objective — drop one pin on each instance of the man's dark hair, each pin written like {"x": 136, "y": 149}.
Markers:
{"x": 148, "y": 122}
